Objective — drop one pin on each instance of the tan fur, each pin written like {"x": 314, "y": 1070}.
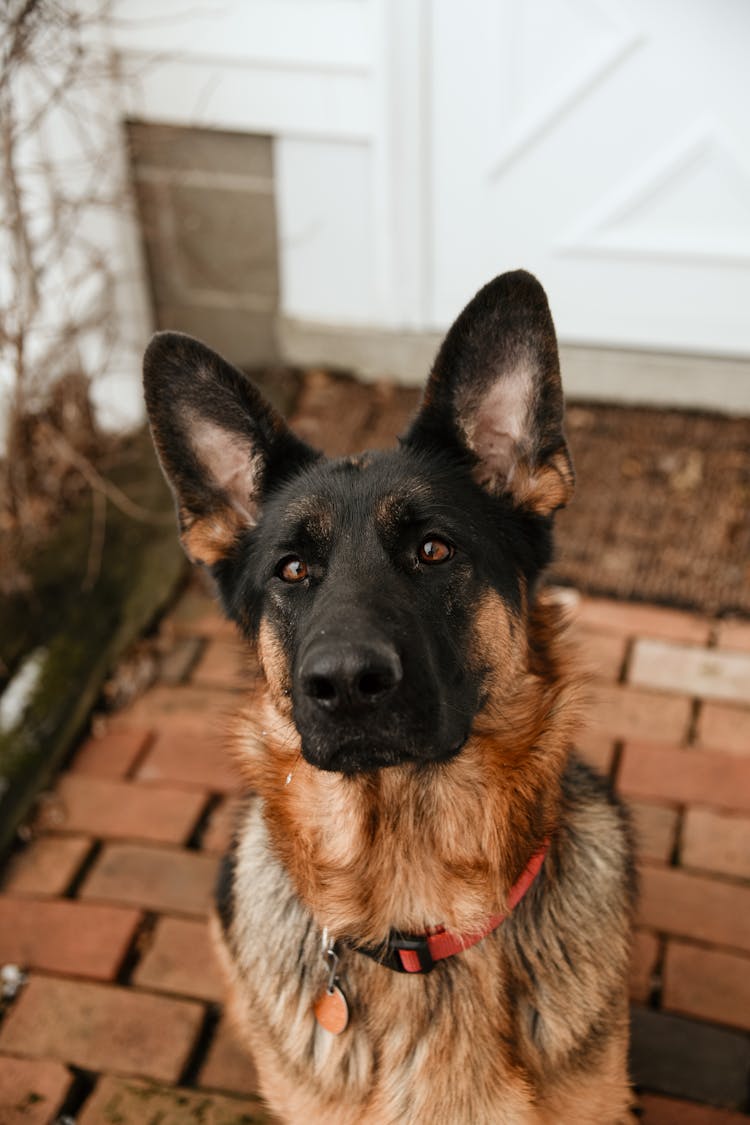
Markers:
{"x": 542, "y": 489}
{"x": 315, "y": 513}
{"x": 356, "y": 847}
{"x": 274, "y": 667}
{"x": 210, "y": 539}
{"x": 361, "y": 460}
{"x": 548, "y": 487}
{"x": 390, "y": 508}
{"x": 409, "y": 848}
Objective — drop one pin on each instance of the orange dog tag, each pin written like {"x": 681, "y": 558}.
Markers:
{"x": 332, "y": 1011}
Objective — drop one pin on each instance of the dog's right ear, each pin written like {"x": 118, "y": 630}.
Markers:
{"x": 219, "y": 442}
{"x": 495, "y": 393}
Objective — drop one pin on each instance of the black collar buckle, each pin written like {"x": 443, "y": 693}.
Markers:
{"x": 388, "y": 954}
{"x": 415, "y": 943}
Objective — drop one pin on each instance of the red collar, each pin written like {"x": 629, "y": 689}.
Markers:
{"x": 418, "y": 953}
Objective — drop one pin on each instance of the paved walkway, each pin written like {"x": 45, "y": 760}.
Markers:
{"x": 120, "y": 1019}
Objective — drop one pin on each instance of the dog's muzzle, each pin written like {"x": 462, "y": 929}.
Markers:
{"x": 360, "y": 705}
{"x": 346, "y": 702}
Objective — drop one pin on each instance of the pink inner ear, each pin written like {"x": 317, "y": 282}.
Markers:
{"x": 496, "y": 425}
{"x": 230, "y": 464}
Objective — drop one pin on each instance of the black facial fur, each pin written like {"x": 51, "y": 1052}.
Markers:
{"x": 368, "y": 593}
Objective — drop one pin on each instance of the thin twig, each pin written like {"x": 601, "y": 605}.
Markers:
{"x": 96, "y": 540}
{"x": 96, "y": 481}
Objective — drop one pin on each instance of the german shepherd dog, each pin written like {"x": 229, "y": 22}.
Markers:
{"x": 425, "y": 913}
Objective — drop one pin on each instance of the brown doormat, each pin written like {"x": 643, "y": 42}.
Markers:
{"x": 662, "y": 506}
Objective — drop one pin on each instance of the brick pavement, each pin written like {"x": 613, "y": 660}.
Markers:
{"x": 105, "y": 906}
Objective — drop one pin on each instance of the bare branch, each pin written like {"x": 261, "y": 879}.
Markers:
{"x": 96, "y": 481}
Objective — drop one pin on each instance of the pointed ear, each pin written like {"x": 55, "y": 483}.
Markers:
{"x": 219, "y": 442}
{"x": 495, "y": 390}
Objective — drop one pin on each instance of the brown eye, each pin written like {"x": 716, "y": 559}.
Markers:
{"x": 435, "y": 550}
{"x": 292, "y": 569}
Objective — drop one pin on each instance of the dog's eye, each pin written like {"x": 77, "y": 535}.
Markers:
{"x": 292, "y": 569}
{"x": 434, "y": 550}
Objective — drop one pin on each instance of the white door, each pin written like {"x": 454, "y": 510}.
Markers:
{"x": 605, "y": 145}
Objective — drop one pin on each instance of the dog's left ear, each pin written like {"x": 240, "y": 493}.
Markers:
{"x": 221, "y": 445}
{"x": 495, "y": 391}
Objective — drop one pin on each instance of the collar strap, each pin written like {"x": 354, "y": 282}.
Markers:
{"x": 418, "y": 953}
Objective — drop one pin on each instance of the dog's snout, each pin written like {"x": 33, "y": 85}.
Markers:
{"x": 345, "y": 677}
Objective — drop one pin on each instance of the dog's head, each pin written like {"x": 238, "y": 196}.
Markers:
{"x": 385, "y": 591}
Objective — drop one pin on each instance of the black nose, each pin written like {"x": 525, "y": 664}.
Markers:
{"x": 348, "y": 676}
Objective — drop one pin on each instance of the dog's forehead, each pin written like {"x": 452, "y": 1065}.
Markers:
{"x": 383, "y": 488}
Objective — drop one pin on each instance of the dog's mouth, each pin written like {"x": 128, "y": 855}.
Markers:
{"x": 362, "y": 755}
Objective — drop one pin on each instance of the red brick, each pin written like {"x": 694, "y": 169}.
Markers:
{"x": 685, "y": 776}
{"x": 177, "y": 660}
{"x": 197, "y": 614}
{"x": 130, "y": 1102}
{"x": 655, "y": 828}
{"x": 220, "y": 827}
{"x": 122, "y": 810}
{"x": 111, "y": 754}
{"x": 64, "y": 936}
{"x": 596, "y": 749}
{"x": 602, "y": 654}
{"x": 394, "y": 407}
{"x": 717, "y": 842}
{"x": 642, "y": 620}
{"x": 202, "y": 711}
{"x": 181, "y": 959}
{"x": 701, "y": 672}
{"x": 226, "y": 665}
{"x": 163, "y": 879}
{"x": 229, "y": 1066}
{"x": 47, "y": 865}
{"x": 179, "y": 758}
{"x": 674, "y": 1111}
{"x": 332, "y": 413}
{"x": 629, "y": 712}
{"x": 678, "y": 902}
{"x": 707, "y": 983}
{"x": 101, "y": 1027}
{"x": 643, "y": 958}
{"x": 31, "y": 1090}
{"x": 734, "y": 634}
{"x": 724, "y": 727}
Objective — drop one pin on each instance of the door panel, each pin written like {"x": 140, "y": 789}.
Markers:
{"x": 606, "y": 146}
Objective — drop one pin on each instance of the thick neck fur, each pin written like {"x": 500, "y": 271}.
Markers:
{"x": 411, "y": 847}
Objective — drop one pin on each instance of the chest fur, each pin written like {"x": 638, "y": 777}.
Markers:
{"x": 511, "y": 1010}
